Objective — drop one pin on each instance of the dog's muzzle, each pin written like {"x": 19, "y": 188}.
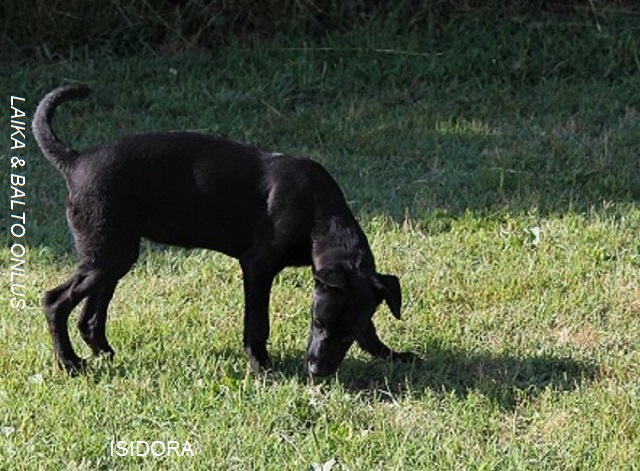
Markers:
{"x": 325, "y": 355}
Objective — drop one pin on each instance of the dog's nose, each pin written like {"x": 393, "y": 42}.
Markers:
{"x": 316, "y": 369}
{"x": 313, "y": 368}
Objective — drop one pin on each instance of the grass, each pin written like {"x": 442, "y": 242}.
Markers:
{"x": 507, "y": 204}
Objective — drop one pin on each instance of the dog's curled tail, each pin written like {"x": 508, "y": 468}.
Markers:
{"x": 56, "y": 151}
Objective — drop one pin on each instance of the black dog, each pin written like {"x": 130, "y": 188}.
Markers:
{"x": 193, "y": 190}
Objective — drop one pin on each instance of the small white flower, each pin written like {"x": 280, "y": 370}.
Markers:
{"x": 36, "y": 379}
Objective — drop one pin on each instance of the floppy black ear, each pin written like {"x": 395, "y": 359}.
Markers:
{"x": 388, "y": 286}
{"x": 332, "y": 276}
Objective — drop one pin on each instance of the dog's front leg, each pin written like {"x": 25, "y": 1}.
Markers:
{"x": 371, "y": 343}
{"x": 258, "y": 279}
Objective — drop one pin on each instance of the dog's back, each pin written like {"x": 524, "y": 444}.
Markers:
{"x": 179, "y": 188}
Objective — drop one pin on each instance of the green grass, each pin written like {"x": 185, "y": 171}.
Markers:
{"x": 506, "y": 203}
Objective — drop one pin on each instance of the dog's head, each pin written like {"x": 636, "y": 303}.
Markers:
{"x": 343, "y": 303}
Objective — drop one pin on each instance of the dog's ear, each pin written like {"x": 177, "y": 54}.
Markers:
{"x": 388, "y": 286}
{"x": 332, "y": 276}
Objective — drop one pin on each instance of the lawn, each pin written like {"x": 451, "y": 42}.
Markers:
{"x": 495, "y": 169}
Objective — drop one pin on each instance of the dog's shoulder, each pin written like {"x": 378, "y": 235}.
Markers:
{"x": 289, "y": 177}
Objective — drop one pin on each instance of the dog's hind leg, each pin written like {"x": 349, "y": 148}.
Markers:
{"x": 95, "y": 279}
{"x": 58, "y": 304}
{"x": 92, "y": 320}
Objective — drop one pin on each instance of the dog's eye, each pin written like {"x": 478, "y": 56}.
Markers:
{"x": 318, "y": 324}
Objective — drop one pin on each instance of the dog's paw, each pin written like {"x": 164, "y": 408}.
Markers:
{"x": 74, "y": 367}
{"x": 260, "y": 361}
{"x": 106, "y": 354}
{"x": 404, "y": 357}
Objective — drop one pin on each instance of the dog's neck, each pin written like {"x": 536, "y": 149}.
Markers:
{"x": 341, "y": 240}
